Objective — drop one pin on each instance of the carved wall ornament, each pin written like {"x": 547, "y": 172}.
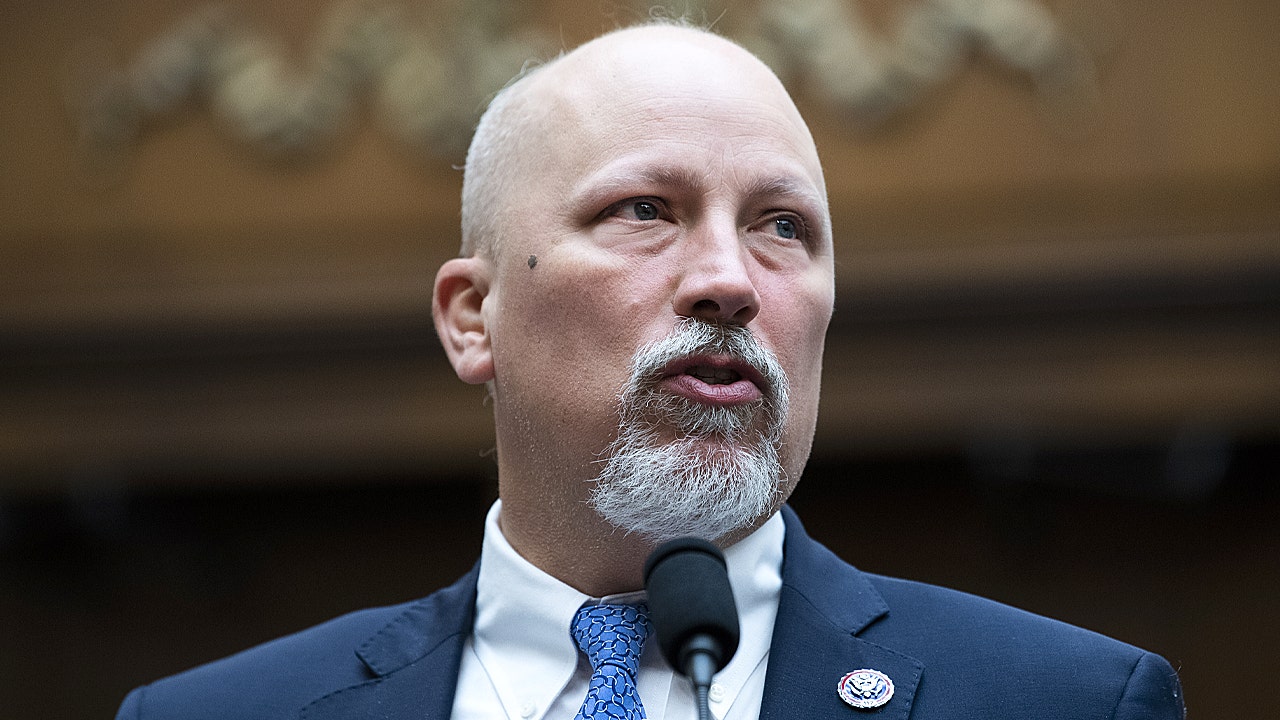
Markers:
{"x": 428, "y": 82}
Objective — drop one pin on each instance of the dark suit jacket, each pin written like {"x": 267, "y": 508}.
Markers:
{"x": 951, "y": 656}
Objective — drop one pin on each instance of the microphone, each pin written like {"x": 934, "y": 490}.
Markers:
{"x": 692, "y": 610}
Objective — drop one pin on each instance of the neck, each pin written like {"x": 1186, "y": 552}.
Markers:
{"x": 572, "y": 544}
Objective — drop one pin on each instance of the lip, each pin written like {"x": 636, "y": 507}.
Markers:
{"x": 676, "y": 379}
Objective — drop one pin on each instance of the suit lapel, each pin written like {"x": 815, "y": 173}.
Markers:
{"x": 414, "y": 661}
{"x": 824, "y": 604}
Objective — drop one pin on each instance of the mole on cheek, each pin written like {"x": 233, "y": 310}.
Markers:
{"x": 533, "y": 261}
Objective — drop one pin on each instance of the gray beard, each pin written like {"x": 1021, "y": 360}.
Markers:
{"x": 721, "y": 472}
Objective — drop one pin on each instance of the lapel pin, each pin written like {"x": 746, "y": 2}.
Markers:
{"x": 865, "y": 689}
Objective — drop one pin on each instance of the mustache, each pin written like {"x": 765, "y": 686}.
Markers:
{"x": 693, "y": 337}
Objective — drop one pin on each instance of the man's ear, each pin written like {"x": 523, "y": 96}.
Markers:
{"x": 457, "y": 307}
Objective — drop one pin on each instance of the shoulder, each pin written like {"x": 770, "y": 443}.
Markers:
{"x": 974, "y": 657}
{"x": 931, "y": 619}
{"x": 270, "y": 680}
{"x": 976, "y": 647}
{"x": 275, "y": 679}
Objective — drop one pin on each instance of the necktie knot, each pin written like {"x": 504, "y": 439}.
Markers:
{"x": 612, "y": 637}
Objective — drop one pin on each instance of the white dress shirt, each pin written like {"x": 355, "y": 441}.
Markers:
{"x": 522, "y": 663}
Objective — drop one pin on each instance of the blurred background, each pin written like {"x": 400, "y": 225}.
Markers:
{"x": 1053, "y": 375}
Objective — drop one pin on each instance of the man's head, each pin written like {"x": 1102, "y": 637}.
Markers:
{"x": 647, "y": 286}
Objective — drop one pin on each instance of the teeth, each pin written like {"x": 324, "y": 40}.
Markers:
{"x": 714, "y": 376}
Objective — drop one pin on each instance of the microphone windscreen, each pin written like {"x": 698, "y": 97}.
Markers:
{"x": 687, "y": 582}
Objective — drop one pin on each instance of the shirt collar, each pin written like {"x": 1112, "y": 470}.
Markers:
{"x": 755, "y": 574}
{"x": 523, "y": 616}
{"x": 522, "y": 622}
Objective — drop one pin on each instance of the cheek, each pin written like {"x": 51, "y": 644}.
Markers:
{"x": 566, "y": 332}
{"x": 801, "y": 310}
{"x": 803, "y": 315}
{"x": 606, "y": 300}
{"x": 805, "y": 337}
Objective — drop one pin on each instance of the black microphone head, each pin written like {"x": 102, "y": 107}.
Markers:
{"x": 690, "y": 600}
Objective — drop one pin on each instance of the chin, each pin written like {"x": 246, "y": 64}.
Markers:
{"x": 694, "y": 486}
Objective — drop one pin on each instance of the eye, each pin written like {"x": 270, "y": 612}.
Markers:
{"x": 638, "y": 210}
{"x": 644, "y": 210}
{"x": 786, "y": 228}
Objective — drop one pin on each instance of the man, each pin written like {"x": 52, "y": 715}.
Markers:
{"x": 645, "y": 286}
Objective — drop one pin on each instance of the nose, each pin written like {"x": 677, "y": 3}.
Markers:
{"x": 716, "y": 284}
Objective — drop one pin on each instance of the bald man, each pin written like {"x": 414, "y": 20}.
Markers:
{"x": 645, "y": 285}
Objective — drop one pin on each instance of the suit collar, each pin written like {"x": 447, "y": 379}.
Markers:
{"x": 414, "y": 661}
{"x": 823, "y": 606}
{"x": 839, "y": 591}
{"x": 423, "y": 628}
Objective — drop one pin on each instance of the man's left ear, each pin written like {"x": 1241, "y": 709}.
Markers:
{"x": 457, "y": 308}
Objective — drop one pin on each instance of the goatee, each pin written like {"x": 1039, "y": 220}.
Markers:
{"x": 679, "y": 467}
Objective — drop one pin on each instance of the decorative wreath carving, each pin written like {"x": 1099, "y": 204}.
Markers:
{"x": 428, "y": 82}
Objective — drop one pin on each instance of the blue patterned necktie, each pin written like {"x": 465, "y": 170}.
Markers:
{"x": 612, "y": 637}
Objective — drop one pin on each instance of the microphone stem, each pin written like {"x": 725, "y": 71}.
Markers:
{"x": 701, "y": 667}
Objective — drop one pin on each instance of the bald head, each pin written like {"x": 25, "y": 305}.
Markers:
{"x": 568, "y": 111}
{"x": 655, "y": 179}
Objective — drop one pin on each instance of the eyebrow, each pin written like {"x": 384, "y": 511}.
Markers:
{"x": 690, "y": 180}
{"x": 685, "y": 179}
{"x": 786, "y": 186}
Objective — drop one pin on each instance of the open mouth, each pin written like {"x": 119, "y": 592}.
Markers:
{"x": 714, "y": 375}
{"x": 714, "y": 380}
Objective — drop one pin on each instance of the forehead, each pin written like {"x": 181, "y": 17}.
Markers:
{"x": 690, "y": 101}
